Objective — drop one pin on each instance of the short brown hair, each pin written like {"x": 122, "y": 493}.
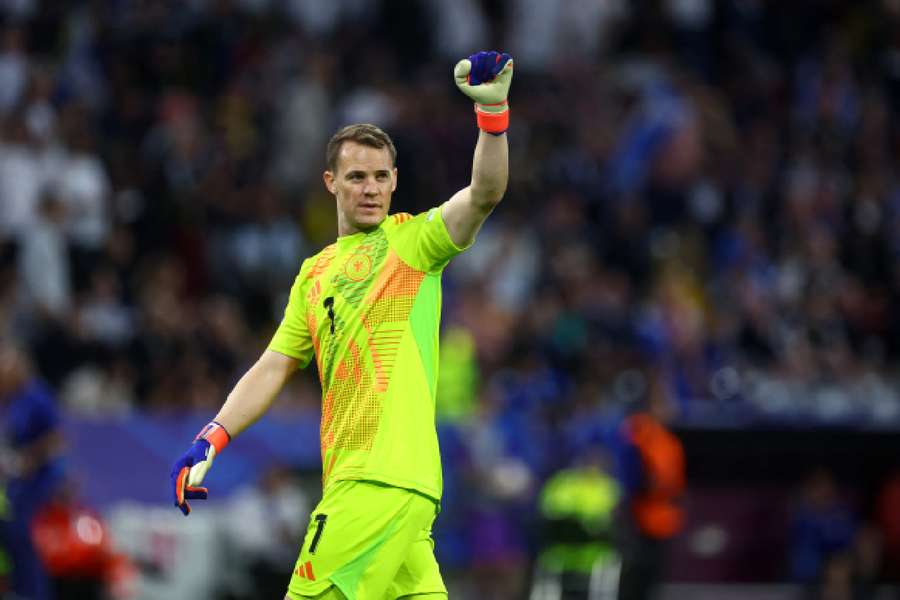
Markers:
{"x": 361, "y": 133}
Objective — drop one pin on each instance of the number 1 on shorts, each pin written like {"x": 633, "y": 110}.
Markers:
{"x": 319, "y": 528}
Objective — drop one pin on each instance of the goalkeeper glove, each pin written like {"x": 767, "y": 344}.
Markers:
{"x": 485, "y": 77}
{"x": 189, "y": 470}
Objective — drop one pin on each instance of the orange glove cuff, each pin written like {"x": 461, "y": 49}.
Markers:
{"x": 216, "y": 435}
{"x": 493, "y": 122}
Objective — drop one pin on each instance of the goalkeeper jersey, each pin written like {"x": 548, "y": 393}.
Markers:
{"x": 368, "y": 308}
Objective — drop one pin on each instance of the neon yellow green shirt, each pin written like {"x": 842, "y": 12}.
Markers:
{"x": 368, "y": 307}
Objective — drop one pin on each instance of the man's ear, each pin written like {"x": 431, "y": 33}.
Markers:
{"x": 394, "y": 184}
{"x": 328, "y": 178}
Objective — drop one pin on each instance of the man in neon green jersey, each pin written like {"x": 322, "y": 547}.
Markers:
{"x": 368, "y": 309}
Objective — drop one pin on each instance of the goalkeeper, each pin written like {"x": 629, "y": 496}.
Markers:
{"x": 367, "y": 308}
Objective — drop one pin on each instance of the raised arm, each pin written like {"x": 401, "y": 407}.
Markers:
{"x": 485, "y": 78}
{"x": 469, "y": 207}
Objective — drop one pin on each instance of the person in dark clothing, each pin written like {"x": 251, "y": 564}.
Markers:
{"x": 823, "y": 535}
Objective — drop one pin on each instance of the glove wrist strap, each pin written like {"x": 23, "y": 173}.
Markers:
{"x": 493, "y": 118}
{"x": 215, "y": 434}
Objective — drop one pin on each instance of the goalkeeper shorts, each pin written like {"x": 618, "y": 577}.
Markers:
{"x": 372, "y": 541}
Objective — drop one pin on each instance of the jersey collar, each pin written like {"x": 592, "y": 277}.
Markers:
{"x": 351, "y": 239}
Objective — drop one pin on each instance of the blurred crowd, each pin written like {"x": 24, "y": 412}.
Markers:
{"x": 697, "y": 187}
{"x": 702, "y": 200}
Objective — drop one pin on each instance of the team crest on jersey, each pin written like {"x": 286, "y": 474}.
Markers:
{"x": 358, "y": 267}
{"x": 352, "y": 278}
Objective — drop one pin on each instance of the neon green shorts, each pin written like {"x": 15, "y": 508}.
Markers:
{"x": 371, "y": 541}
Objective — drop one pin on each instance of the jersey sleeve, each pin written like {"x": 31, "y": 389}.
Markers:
{"x": 293, "y": 338}
{"x": 424, "y": 242}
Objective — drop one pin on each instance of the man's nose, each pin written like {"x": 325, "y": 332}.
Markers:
{"x": 370, "y": 188}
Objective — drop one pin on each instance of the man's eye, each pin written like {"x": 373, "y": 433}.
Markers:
{"x": 382, "y": 176}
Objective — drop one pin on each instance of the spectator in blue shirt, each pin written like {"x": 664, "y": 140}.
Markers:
{"x": 823, "y": 530}
{"x": 31, "y": 426}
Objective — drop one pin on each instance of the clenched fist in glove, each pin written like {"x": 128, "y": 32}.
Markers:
{"x": 485, "y": 78}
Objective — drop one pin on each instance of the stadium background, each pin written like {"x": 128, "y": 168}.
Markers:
{"x": 702, "y": 204}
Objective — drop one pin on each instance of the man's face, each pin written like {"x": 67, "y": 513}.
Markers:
{"x": 12, "y": 370}
{"x": 362, "y": 183}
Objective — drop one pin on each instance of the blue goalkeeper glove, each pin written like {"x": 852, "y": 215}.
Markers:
{"x": 485, "y": 77}
{"x": 189, "y": 470}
